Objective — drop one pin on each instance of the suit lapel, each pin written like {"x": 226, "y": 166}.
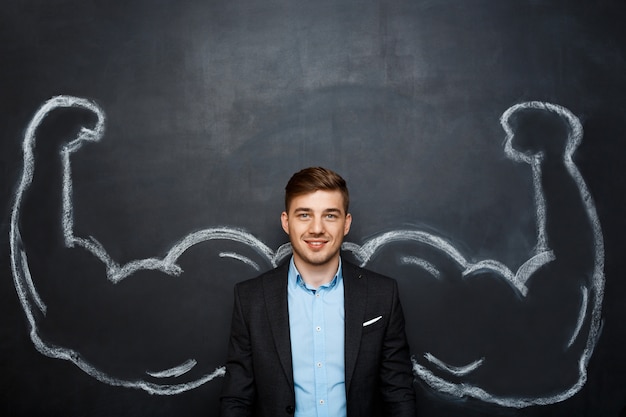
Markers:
{"x": 275, "y": 294}
{"x": 355, "y": 293}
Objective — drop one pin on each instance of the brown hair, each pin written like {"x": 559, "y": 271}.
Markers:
{"x": 314, "y": 179}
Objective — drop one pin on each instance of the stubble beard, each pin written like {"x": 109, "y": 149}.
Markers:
{"x": 315, "y": 259}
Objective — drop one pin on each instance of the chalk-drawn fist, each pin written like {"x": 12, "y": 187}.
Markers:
{"x": 540, "y": 129}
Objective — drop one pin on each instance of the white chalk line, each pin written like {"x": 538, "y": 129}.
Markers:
{"x": 517, "y": 280}
{"x": 115, "y": 272}
{"x": 469, "y": 390}
{"x": 175, "y": 371}
{"x": 581, "y": 315}
{"x": 30, "y": 285}
{"x": 422, "y": 263}
{"x": 454, "y": 370}
{"x": 240, "y": 258}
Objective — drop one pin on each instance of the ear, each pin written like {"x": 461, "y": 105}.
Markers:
{"x": 284, "y": 221}
{"x": 346, "y": 228}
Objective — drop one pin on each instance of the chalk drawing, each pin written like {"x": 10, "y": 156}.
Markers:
{"x": 454, "y": 370}
{"x": 176, "y": 371}
{"x": 581, "y": 315}
{"x": 413, "y": 260}
{"x": 241, "y": 258}
{"x": 26, "y": 290}
{"x": 589, "y": 312}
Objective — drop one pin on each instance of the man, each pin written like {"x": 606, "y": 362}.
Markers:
{"x": 317, "y": 337}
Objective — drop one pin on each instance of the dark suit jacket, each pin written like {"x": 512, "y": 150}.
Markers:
{"x": 259, "y": 373}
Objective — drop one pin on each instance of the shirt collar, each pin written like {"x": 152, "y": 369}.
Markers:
{"x": 295, "y": 279}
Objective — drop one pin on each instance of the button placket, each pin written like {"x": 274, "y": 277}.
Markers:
{"x": 319, "y": 341}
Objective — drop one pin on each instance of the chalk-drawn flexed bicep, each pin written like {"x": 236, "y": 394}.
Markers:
{"x": 85, "y": 307}
{"x": 480, "y": 323}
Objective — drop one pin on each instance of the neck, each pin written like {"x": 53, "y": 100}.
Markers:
{"x": 317, "y": 275}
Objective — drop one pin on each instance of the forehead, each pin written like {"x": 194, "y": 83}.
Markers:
{"x": 319, "y": 200}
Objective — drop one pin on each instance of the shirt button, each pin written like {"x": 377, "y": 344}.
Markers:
{"x": 321, "y": 402}
{"x": 318, "y": 328}
{"x": 319, "y": 365}
{"x": 317, "y": 294}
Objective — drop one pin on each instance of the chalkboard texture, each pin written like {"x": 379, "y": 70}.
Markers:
{"x": 145, "y": 150}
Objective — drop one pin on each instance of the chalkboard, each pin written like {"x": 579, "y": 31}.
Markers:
{"x": 146, "y": 146}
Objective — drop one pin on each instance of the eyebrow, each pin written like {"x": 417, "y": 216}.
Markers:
{"x": 308, "y": 210}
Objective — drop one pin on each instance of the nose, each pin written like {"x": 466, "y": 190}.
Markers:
{"x": 316, "y": 226}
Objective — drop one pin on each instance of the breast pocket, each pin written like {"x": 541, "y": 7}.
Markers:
{"x": 376, "y": 323}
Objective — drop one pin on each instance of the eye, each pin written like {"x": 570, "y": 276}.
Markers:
{"x": 331, "y": 216}
{"x": 303, "y": 215}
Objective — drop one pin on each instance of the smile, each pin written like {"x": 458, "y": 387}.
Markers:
{"x": 315, "y": 243}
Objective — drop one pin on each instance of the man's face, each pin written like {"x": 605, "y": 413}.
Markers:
{"x": 316, "y": 224}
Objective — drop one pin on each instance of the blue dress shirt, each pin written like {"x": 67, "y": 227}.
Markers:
{"x": 316, "y": 323}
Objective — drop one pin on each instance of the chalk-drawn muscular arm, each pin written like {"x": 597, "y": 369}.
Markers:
{"x": 504, "y": 335}
{"x": 45, "y": 253}
{"x": 546, "y": 136}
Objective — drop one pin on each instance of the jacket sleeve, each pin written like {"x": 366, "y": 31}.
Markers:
{"x": 238, "y": 390}
{"x": 396, "y": 374}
